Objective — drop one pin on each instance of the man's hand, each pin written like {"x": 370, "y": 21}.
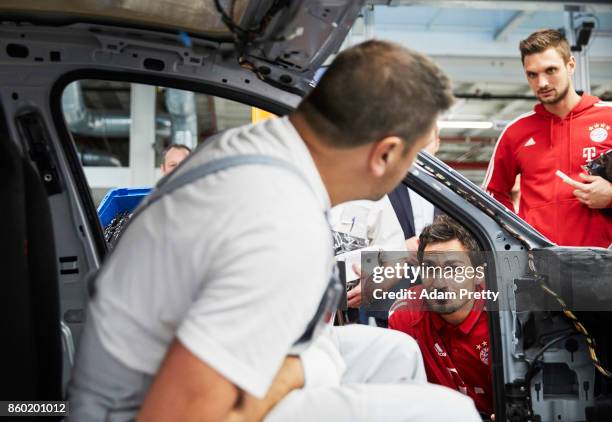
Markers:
{"x": 596, "y": 194}
{"x": 353, "y": 296}
{"x": 412, "y": 244}
{"x": 288, "y": 378}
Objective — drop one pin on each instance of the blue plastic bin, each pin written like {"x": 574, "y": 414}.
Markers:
{"x": 120, "y": 200}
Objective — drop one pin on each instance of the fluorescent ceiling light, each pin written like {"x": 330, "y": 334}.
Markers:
{"x": 457, "y": 124}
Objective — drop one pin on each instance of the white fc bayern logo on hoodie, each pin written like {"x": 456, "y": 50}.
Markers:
{"x": 599, "y": 132}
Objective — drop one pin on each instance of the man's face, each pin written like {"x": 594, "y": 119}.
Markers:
{"x": 397, "y": 170}
{"x": 445, "y": 269}
{"x": 172, "y": 159}
{"x": 548, "y": 75}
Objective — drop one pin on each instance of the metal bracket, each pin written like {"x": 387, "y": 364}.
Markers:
{"x": 68, "y": 342}
{"x": 33, "y": 131}
{"x": 518, "y": 402}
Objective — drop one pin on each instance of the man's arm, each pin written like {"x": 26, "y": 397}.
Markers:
{"x": 186, "y": 388}
{"x": 289, "y": 377}
{"x": 367, "y": 286}
{"x": 501, "y": 173}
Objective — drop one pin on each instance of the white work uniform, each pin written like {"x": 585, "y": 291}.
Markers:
{"x": 233, "y": 265}
{"x": 422, "y": 211}
{"x": 373, "y": 220}
{"x": 360, "y": 373}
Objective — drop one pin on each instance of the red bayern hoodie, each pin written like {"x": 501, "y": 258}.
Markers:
{"x": 536, "y": 145}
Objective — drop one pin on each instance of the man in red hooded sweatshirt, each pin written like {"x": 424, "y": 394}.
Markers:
{"x": 563, "y": 133}
{"x": 450, "y": 325}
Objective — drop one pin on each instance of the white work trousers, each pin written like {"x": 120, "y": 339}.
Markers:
{"x": 381, "y": 378}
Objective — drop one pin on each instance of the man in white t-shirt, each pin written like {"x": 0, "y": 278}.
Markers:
{"x": 357, "y": 226}
{"x": 382, "y": 228}
{"x": 373, "y": 221}
{"x": 412, "y": 210}
{"x": 196, "y": 314}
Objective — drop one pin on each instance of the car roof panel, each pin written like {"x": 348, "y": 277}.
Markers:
{"x": 187, "y": 15}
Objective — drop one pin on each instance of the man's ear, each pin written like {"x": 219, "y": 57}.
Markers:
{"x": 571, "y": 65}
{"x": 384, "y": 153}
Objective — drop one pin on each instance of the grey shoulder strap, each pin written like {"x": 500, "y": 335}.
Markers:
{"x": 169, "y": 185}
{"x": 331, "y": 297}
{"x": 166, "y": 186}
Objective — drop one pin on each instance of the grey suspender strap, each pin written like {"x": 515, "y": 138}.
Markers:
{"x": 331, "y": 297}
{"x": 166, "y": 186}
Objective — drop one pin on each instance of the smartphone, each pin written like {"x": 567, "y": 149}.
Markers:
{"x": 563, "y": 176}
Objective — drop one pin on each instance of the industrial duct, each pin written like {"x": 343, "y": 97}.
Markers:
{"x": 182, "y": 109}
{"x": 181, "y": 125}
{"x": 99, "y": 159}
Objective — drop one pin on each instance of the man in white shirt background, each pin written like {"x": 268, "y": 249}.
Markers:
{"x": 412, "y": 210}
{"x": 393, "y": 223}
{"x": 374, "y": 226}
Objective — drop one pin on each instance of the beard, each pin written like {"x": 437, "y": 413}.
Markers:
{"x": 557, "y": 98}
{"x": 445, "y": 306}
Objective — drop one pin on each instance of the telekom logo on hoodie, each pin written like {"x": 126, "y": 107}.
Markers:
{"x": 599, "y": 132}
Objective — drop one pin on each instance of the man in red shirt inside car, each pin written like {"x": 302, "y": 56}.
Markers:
{"x": 563, "y": 133}
{"x": 446, "y": 314}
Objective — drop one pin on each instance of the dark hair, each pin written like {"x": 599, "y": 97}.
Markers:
{"x": 445, "y": 228}
{"x": 374, "y": 90}
{"x": 542, "y": 40}
{"x": 174, "y": 146}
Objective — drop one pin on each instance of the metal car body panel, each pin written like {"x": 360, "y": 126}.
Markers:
{"x": 282, "y": 42}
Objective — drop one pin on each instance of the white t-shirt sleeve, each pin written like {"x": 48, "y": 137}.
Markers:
{"x": 261, "y": 291}
{"x": 422, "y": 210}
{"x": 388, "y": 234}
{"x": 353, "y": 217}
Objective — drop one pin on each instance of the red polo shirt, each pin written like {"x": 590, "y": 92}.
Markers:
{"x": 454, "y": 356}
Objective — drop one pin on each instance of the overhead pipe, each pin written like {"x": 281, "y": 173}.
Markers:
{"x": 99, "y": 159}
{"x": 181, "y": 124}
{"x": 84, "y": 121}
